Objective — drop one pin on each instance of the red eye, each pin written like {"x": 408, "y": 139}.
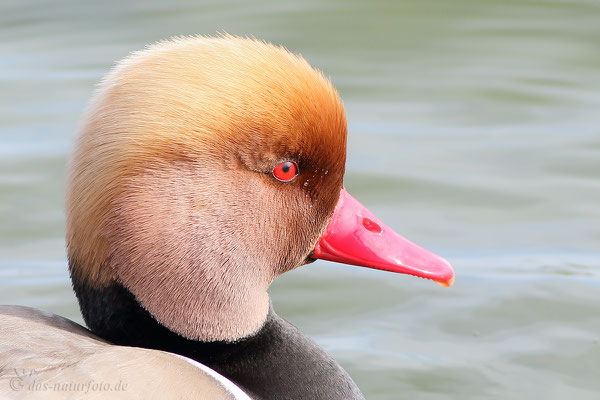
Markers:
{"x": 286, "y": 171}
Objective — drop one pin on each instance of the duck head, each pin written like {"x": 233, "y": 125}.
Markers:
{"x": 205, "y": 168}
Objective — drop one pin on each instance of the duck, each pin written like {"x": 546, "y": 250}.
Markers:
{"x": 204, "y": 168}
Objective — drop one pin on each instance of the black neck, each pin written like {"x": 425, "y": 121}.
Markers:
{"x": 278, "y": 362}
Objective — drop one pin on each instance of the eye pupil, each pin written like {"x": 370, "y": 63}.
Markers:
{"x": 286, "y": 167}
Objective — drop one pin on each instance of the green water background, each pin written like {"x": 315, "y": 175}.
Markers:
{"x": 474, "y": 131}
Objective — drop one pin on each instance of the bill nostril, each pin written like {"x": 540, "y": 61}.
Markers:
{"x": 371, "y": 226}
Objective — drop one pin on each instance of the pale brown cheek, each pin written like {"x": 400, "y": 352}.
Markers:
{"x": 300, "y": 223}
{"x": 198, "y": 245}
{"x": 178, "y": 243}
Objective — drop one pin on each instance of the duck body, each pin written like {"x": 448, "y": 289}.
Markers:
{"x": 45, "y": 356}
{"x": 204, "y": 169}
